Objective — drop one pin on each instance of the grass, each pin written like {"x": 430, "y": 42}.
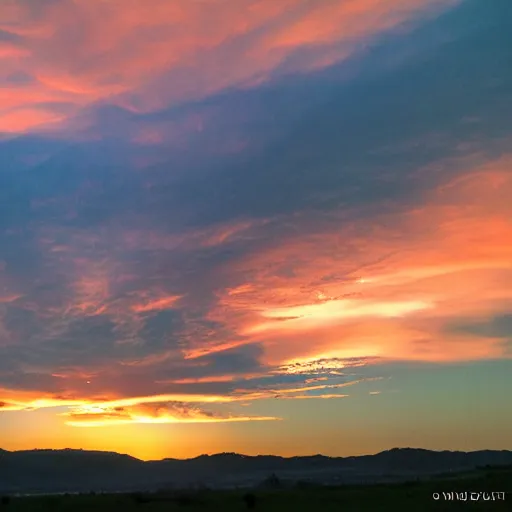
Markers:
{"x": 410, "y": 496}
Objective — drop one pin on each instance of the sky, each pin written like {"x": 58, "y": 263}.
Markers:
{"x": 255, "y": 226}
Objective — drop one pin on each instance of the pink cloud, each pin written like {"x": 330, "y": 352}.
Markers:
{"x": 332, "y": 295}
{"x": 159, "y": 304}
{"x": 383, "y": 287}
{"x": 145, "y": 58}
{"x": 21, "y": 119}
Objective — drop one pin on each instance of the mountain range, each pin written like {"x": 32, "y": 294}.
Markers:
{"x": 32, "y": 471}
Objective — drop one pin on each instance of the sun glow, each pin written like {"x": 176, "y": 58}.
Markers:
{"x": 335, "y": 311}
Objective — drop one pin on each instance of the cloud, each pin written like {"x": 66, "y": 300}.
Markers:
{"x": 103, "y": 420}
{"x": 324, "y": 314}
{"x": 410, "y": 255}
{"x": 328, "y": 296}
{"x": 165, "y": 408}
{"x": 160, "y": 56}
{"x": 321, "y": 366}
{"x": 173, "y": 412}
{"x": 499, "y": 326}
{"x": 215, "y": 235}
{"x": 21, "y": 119}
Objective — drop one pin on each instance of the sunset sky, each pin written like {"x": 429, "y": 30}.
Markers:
{"x": 255, "y": 226}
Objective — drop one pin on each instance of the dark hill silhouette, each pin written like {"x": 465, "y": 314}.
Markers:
{"x": 80, "y": 470}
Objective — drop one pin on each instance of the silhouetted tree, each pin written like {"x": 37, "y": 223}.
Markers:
{"x": 272, "y": 482}
{"x": 5, "y": 500}
{"x": 250, "y": 500}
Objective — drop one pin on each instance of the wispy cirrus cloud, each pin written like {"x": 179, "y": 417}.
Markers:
{"x": 146, "y": 59}
{"x": 201, "y": 233}
{"x": 169, "y": 408}
{"x": 395, "y": 305}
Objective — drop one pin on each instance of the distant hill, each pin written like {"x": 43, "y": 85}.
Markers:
{"x": 80, "y": 470}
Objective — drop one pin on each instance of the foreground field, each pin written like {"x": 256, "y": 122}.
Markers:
{"x": 486, "y": 490}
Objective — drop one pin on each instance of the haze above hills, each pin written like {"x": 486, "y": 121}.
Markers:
{"x": 82, "y": 471}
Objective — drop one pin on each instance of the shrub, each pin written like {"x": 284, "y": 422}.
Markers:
{"x": 250, "y": 500}
{"x": 139, "y": 497}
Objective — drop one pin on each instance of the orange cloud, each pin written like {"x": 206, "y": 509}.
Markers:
{"x": 157, "y": 304}
{"x": 170, "y": 408}
{"x": 20, "y": 400}
{"x": 110, "y": 420}
{"x": 15, "y": 400}
{"x": 88, "y": 410}
{"x": 145, "y": 58}
{"x": 323, "y": 299}
{"x": 385, "y": 287}
{"x": 213, "y": 379}
{"x": 334, "y": 311}
{"x": 94, "y": 416}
